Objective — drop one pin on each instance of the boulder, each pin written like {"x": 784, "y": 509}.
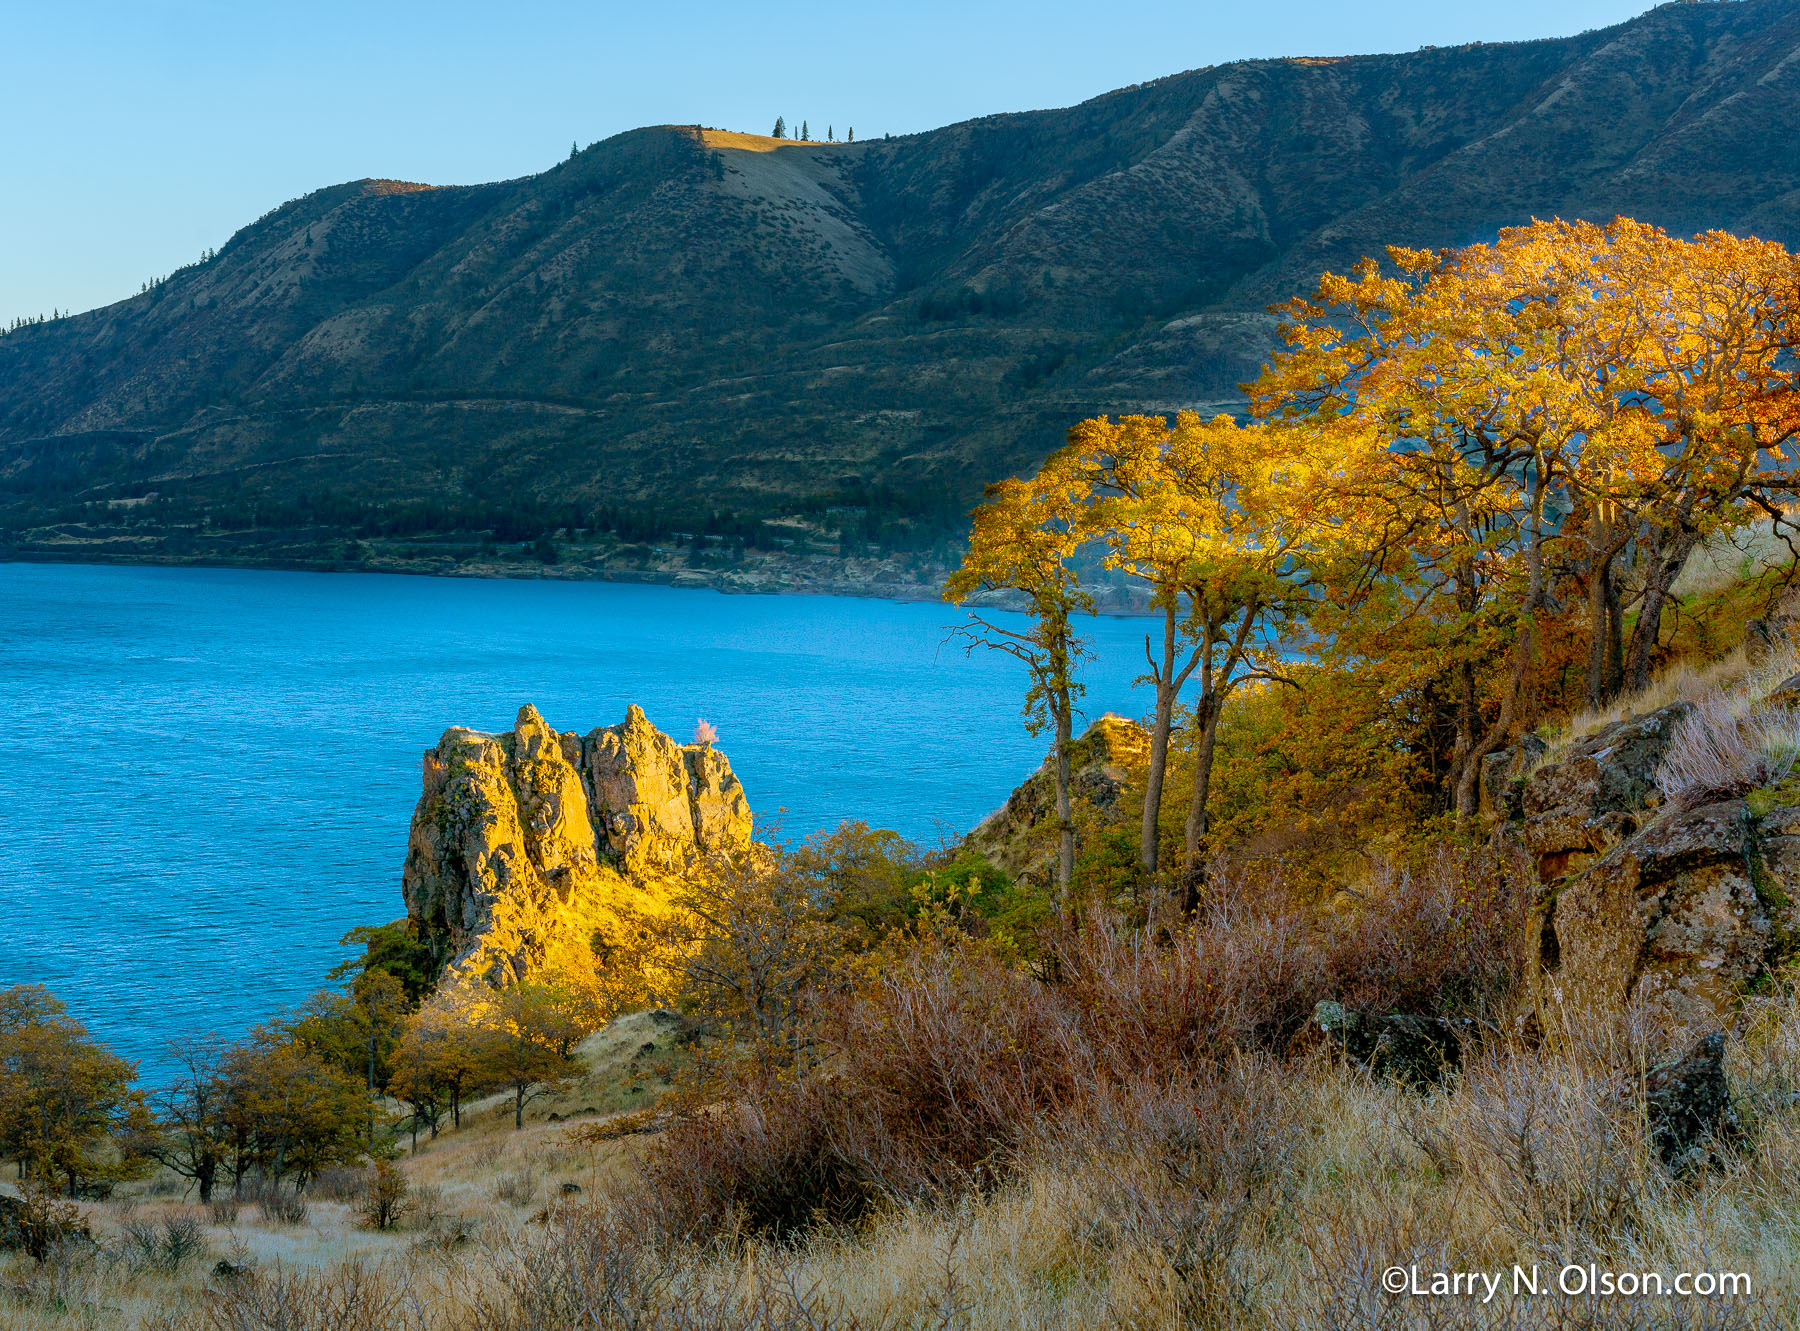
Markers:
{"x": 1414, "y": 1051}
{"x": 1786, "y": 693}
{"x": 1502, "y": 785}
{"x": 1669, "y": 921}
{"x": 1586, "y": 801}
{"x": 1688, "y": 1106}
{"x": 529, "y": 849}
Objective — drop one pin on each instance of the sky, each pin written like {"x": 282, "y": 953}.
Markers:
{"x": 135, "y": 134}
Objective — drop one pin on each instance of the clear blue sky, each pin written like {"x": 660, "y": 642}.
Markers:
{"x": 136, "y": 133}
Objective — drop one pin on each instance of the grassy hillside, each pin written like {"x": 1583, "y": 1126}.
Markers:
{"x": 697, "y": 332}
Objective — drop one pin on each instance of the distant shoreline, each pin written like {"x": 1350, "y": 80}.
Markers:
{"x": 682, "y": 580}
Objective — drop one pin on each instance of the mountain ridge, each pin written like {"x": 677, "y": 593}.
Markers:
{"x": 688, "y": 334}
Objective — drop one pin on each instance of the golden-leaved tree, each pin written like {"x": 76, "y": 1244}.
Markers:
{"x": 1549, "y": 402}
{"x": 1218, "y": 521}
{"x": 1022, "y": 542}
{"x": 68, "y": 1112}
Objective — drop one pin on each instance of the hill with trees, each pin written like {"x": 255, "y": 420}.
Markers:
{"x": 682, "y": 346}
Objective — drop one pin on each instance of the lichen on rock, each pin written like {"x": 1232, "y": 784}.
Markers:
{"x": 529, "y": 850}
{"x": 1670, "y": 911}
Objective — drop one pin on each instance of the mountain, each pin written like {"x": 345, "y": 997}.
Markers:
{"x": 762, "y": 341}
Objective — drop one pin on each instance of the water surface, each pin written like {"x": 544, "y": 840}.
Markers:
{"x": 207, "y": 774}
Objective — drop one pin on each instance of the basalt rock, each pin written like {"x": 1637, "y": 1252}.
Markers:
{"x": 1667, "y": 910}
{"x": 1580, "y": 806}
{"x": 1688, "y": 1106}
{"x": 1502, "y": 786}
{"x": 1415, "y": 1051}
{"x": 528, "y": 850}
{"x": 1669, "y": 921}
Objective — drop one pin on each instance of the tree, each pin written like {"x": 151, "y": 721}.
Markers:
{"x": 573, "y": 150}
{"x": 1689, "y": 345}
{"x": 805, "y": 134}
{"x": 527, "y": 1036}
{"x": 396, "y": 949}
{"x": 747, "y": 941}
{"x": 67, "y": 1110}
{"x": 830, "y": 134}
{"x": 780, "y": 128}
{"x": 358, "y": 1030}
{"x": 192, "y": 1135}
{"x": 1565, "y": 397}
{"x": 1137, "y": 514}
{"x": 291, "y": 1112}
{"x": 850, "y": 135}
{"x": 1427, "y": 389}
{"x": 439, "y": 1058}
{"x": 1022, "y": 540}
{"x": 1219, "y": 519}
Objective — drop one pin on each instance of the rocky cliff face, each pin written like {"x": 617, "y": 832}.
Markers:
{"x": 528, "y": 849}
{"x": 1020, "y": 836}
{"x": 1667, "y": 909}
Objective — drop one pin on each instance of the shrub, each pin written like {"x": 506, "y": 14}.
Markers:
{"x": 1242, "y": 978}
{"x": 385, "y": 1197}
{"x": 768, "y": 1162}
{"x": 281, "y": 1208}
{"x": 145, "y": 1247}
{"x": 517, "y": 1188}
{"x": 1172, "y": 1170}
{"x": 1441, "y": 938}
{"x": 350, "y": 1297}
{"x": 592, "y": 1267}
{"x": 944, "y": 1060}
{"x": 1554, "y": 1145}
{"x": 339, "y": 1185}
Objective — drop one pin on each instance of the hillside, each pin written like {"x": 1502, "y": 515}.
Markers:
{"x": 697, "y": 332}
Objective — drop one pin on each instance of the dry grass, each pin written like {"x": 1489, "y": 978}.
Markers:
{"x": 1726, "y": 746}
{"x": 1272, "y": 1195}
{"x": 1737, "y": 679}
{"x": 1131, "y": 1172}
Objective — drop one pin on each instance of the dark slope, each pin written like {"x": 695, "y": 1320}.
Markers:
{"x": 699, "y": 323}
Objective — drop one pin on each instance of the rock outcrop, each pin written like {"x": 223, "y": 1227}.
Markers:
{"x": 1020, "y": 836}
{"x": 1688, "y": 1106}
{"x": 529, "y": 849}
{"x": 1670, "y": 910}
{"x": 1415, "y": 1051}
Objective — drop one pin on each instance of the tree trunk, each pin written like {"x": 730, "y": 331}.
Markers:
{"x": 1166, "y": 688}
{"x": 1467, "y": 716}
{"x": 1600, "y": 577}
{"x": 1606, "y": 613}
{"x": 1662, "y": 567}
{"x": 205, "y": 1173}
{"x": 519, "y": 1105}
{"x": 1209, "y": 709}
{"x": 1065, "y": 817}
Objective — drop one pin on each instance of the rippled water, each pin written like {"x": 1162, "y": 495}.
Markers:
{"x": 206, "y": 775}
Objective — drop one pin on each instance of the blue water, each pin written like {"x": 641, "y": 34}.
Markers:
{"x": 206, "y": 775}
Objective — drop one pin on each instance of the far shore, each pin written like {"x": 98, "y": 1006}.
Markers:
{"x": 725, "y": 582}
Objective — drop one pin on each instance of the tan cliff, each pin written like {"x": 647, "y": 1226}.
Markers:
{"x": 529, "y": 849}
